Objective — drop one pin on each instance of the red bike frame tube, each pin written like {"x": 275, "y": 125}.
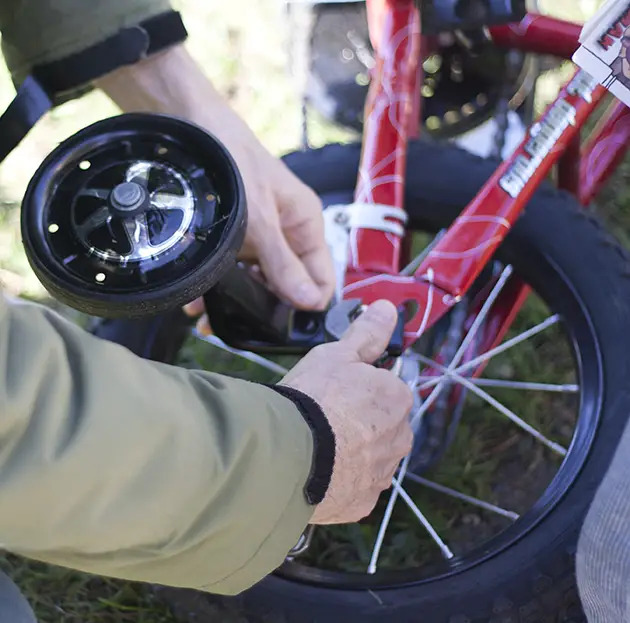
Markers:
{"x": 609, "y": 142}
{"x": 457, "y": 259}
{"x": 539, "y": 34}
{"x": 475, "y": 235}
{"x": 395, "y": 31}
{"x": 604, "y": 150}
{"x": 569, "y": 167}
{"x": 454, "y": 263}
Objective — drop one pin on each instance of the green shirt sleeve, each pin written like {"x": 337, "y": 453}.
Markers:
{"x": 134, "y": 469}
{"x": 40, "y": 31}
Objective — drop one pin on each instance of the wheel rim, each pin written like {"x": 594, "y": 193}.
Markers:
{"x": 568, "y": 318}
{"x": 132, "y": 205}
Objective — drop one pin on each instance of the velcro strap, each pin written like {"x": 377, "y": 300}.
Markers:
{"x": 44, "y": 87}
{"x": 29, "y": 105}
{"x": 126, "y": 47}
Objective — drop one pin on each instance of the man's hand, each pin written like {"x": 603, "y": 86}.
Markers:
{"x": 367, "y": 409}
{"x": 285, "y": 232}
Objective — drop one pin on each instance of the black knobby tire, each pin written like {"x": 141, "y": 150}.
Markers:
{"x": 531, "y": 580}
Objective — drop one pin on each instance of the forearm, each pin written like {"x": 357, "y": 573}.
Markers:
{"x": 172, "y": 83}
{"x": 129, "y": 468}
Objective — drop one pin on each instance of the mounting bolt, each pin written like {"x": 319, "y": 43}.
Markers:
{"x": 127, "y": 195}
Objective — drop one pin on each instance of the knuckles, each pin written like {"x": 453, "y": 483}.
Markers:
{"x": 405, "y": 397}
{"x": 395, "y": 392}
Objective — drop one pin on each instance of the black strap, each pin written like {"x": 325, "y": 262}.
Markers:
{"x": 48, "y": 83}
{"x": 30, "y": 104}
{"x": 126, "y": 47}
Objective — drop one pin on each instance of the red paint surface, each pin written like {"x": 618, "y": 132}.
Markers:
{"x": 569, "y": 167}
{"x": 539, "y": 34}
{"x": 395, "y": 33}
{"x": 458, "y": 258}
{"x": 604, "y": 150}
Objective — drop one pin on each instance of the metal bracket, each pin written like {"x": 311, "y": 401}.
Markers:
{"x": 368, "y": 216}
{"x": 340, "y": 219}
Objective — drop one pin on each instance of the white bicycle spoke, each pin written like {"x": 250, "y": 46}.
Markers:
{"x": 451, "y": 374}
{"x": 245, "y": 354}
{"x": 496, "y": 350}
{"x": 415, "y": 420}
{"x": 413, "y": 266}
{"x": 382, "y": 529}
{"x": 483, "y": 312}
{"x": 446, "y": 552}
{"x": 520, "y": 385}
{"x": 387, "y": 515}
{"x": 462, "y": 496}
{"x": 525, "y": 385}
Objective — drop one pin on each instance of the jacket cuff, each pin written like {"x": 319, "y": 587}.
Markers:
{"x": 323, "y": 442}
{"x": 38, "y": 32}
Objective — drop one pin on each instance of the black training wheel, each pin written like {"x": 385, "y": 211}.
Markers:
{"x": 134, "y": 215}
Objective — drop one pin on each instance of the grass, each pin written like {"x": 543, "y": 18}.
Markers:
{"x": 247, "y": 60}
{"x": 64, "y": 595}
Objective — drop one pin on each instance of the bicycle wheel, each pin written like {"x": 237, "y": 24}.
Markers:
{"x": 513, "y": 484}
{"x": 460, "y": 90}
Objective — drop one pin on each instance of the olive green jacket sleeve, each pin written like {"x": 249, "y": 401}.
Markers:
{"x": 41, "y": 31}
{"x": 134, "y": 469}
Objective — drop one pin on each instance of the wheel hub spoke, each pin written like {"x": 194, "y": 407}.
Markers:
{"x": 557, "y": 448}
{"x": 417, "y": 417}
{"x": 245, "y": 354}
{"x": 493, "y": 508}
{"x": 138, "y": 234}
{"x": 497, "y": 350}
{"x": 168, "y": 201}
{"x": 521, "y": 385}
{"x": 446, "y": 551}
{"x": 139, "y": 172}
{"x": 98, "y": 193}
{"x": 94, "y": 221}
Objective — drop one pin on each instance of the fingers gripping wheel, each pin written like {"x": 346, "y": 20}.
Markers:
{"x": 134, "y": 215}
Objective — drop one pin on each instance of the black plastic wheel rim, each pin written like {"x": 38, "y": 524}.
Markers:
{"x": 193, "y": 206}
{"x": 559, "y": 296}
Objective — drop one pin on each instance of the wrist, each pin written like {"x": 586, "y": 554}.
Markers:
{"x": 169, "y": 82}
{"x": 172, "y": 83}
{"x": 323, "y": 463}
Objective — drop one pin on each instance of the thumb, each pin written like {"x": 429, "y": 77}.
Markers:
{"x": 286, "y": 273}
{"x": 369, "y": 335}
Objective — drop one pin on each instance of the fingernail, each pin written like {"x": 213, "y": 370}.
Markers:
{"x": 203, "y": 326}
{"x": 381, "y": 311}
{"x": 307, "y": 294}
{"x": 194, "y": 308}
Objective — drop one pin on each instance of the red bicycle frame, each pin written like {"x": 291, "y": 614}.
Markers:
{"x": 454, "y": 263}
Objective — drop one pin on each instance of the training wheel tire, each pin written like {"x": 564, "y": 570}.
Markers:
{"x": 133, "y": 216}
